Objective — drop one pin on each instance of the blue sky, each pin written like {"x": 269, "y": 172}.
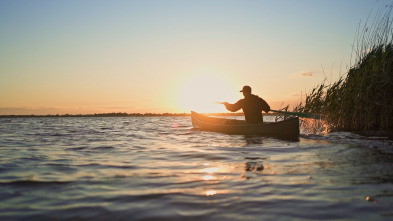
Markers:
{"x": 153, "y": 56}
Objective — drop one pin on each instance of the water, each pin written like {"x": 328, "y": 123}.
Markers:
{"x": 159, "y": 168}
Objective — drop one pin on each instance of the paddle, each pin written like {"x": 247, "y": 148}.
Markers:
{"x": 314, "y": 116}
{"x": 299, "y": 114}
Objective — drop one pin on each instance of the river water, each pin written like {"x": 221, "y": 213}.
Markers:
{"x": 160, "y": 168}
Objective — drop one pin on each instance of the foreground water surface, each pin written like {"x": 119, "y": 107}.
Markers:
{"x": 160, "y": 168}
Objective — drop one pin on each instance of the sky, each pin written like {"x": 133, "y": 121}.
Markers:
{"x": 170, "y": 56}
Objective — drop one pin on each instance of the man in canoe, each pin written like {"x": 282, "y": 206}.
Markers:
{"x": 252, "y": 106}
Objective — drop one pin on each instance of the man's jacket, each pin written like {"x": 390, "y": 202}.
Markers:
{"x": 252, "y": 106}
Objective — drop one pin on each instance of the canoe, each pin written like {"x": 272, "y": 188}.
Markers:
{"x": 287, "y": 128}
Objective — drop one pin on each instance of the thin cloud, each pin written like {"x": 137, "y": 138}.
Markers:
{"x": 304, "y": 74}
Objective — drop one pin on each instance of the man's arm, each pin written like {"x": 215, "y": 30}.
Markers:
{"x": 234, "y": 107}
{"x": 265, "y": 106}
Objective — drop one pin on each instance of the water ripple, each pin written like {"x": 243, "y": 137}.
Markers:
{"x": 159, "y": 168}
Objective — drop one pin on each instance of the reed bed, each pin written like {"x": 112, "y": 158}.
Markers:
{"x": 362, "y": 99}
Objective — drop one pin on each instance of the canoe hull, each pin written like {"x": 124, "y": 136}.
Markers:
{"x": 287, "y": 128}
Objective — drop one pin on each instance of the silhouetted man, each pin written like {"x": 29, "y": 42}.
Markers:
{"x": 252, "y": 106}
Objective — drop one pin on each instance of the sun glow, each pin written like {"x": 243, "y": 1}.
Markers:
{"x": 201, "y": 92}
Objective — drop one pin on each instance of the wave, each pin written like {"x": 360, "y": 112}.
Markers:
{"x": 33, "y": 183}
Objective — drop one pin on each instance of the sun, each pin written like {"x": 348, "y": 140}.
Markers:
{"x": 200, "y": 92}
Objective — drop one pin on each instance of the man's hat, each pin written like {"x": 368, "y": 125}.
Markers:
{"x": 246, "y": 89}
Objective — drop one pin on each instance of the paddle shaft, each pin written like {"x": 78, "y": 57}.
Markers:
{"x": 291, "y": 113}
{"x": 298, "y": 114}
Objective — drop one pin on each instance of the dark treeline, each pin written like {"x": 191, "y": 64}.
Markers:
{"x": 98, "y": 115}
{"x": 119, "y": 115}
{"x": 128, "y": 115}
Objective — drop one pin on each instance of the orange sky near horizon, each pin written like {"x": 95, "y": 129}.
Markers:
{"x": 84, "y": 57}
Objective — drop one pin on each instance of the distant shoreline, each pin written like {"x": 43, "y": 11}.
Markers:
{"x": 124, "y": 115}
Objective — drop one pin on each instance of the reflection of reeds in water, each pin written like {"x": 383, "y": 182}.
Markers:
{"x": 363, "y": 99}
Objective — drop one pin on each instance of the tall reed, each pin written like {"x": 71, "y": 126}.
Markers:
{"x": 363, "y": 98}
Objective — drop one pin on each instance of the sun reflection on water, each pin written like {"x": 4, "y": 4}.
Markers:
{"x": 208, "y": 177}
{"x": 210, "y": 170}
{"x": 211, "y": 193}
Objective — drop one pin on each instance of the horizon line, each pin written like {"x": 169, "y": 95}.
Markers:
{"x": 115, "y": 114}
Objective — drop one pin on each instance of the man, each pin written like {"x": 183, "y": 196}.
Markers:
{"x": 252, "y": 106}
